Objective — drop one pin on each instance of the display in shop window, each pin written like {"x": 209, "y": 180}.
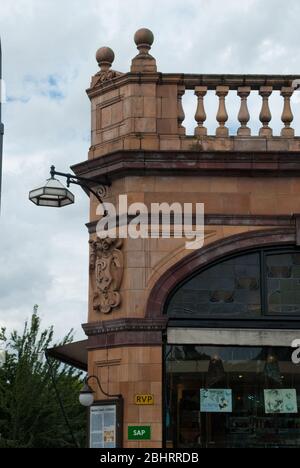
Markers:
{"x": 215, "y": 400}
{"x": 281, "y": 401}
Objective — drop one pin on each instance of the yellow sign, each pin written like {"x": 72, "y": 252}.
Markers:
{"x": 144, "y": 400}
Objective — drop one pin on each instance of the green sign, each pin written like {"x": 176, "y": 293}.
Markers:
{"x": 139, "y": 433}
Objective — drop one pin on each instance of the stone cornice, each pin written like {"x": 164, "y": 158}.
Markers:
{"x": 231, "y": 220}
{"x": 192, "y": 80}
{"x": 122, "y": 80}
{"x": 126, "y": 332}
{"x": 126, "y": 324}
{"x": 196, "y": 163}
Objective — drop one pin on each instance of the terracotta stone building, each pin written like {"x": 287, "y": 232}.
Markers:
{"x": 206, "y": 333}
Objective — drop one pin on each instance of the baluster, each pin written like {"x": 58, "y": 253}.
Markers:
{"x": 265, "y": 115}
{"x": 287, "y": 114}
{"x": 222, "y": 115}
{"x": 180, "y": 111}
{"x": 244, "y": 116}
{"x": 200, "y": 116}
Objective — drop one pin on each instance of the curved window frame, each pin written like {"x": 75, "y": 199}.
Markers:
{"x": 282, "y": 320}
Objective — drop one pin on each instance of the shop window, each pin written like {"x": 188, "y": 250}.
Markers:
{"x": 231, "y": 397}
{"x": 283, "y": 284}
{"x": 262, "y": 283}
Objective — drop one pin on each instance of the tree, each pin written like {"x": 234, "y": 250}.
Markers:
{"x": 30, "y": 414}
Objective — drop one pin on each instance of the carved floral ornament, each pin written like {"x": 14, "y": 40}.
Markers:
{"x": 102, "y": 77}
{"x": 107, "y": 262}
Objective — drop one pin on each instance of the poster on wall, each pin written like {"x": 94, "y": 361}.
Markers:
{"x": 103, "y": 426}
{"x": 281, "y": 401}
{"x": 215, "y": 400}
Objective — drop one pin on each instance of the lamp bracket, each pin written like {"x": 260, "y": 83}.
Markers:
{"x": 100, "y": 387}
{"x": 81, "y": 181}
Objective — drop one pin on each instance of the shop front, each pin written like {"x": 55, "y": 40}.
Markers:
{"x": 235, "y": 385}
{"x": 232, "y": 397}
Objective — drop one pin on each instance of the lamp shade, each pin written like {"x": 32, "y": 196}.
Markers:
{"x": 53, "y": 194}
{"x": 86, "y": 396}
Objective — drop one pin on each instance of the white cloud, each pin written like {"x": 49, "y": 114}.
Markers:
{"x": 43, "y": 253}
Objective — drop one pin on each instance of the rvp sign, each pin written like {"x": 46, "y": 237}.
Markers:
{"x": 144, "y": 400}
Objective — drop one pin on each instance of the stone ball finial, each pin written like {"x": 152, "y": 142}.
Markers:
{"x": 144, "y": 39}
{"x": 105, "y": 57}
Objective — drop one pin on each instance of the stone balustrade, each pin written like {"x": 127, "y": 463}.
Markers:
{"x": 243, "y": 85}
{"x": 144, "y": 110}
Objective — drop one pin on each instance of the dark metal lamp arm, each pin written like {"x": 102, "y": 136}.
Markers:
{"x": 81, "y": 181}
{"x": 100, "y": 386}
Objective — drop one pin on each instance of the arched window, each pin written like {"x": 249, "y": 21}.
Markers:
{"x": 251, "y": 285}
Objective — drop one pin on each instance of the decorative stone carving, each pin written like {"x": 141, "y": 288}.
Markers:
{"x": 103, "y": 191}
{"x": 102, "y": 77}
{"x": 105, "y": 57}
{"x": 107, "y": 262}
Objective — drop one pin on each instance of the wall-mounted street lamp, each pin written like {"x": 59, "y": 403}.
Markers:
{"x": 55, "y": 194}
{"x": 86, "y": 396}
{"x": 113, "y": 406}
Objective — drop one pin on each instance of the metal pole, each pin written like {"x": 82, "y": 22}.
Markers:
{"x": 60, "y": 402}
{"x": 1, "y": 124}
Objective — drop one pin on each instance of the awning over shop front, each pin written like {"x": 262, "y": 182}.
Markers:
{"x": 74, "y": 354}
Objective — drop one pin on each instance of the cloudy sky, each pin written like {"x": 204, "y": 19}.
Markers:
{"x": 48, "y": 54}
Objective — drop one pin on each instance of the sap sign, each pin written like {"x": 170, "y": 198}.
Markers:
{"x": 139, "y": 433}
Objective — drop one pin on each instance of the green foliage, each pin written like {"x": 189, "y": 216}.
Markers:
{"x": 30, "y": 415}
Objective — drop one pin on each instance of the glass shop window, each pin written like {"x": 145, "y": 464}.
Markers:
{"x": 231, "y": 288}
{"x": 283, "y": 284}
{"x": 263, "y": 283}
{"x": 231, "y": 397}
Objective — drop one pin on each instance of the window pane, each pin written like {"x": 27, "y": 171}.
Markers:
{"x": 231, "y": 397}
{"x": 231, "y": 288}
{"x": 283, "y": 282}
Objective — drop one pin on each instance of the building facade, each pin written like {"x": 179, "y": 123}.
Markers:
{"x": 206, "y": 333}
